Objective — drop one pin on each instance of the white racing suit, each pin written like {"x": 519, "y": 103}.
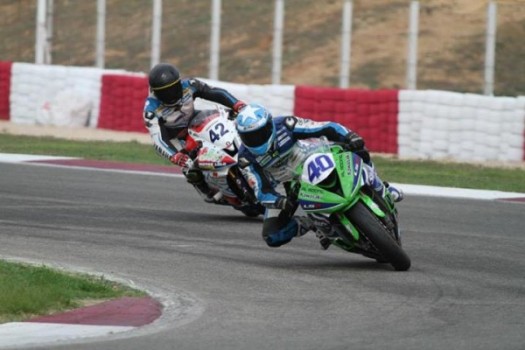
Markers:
{"x": 168, "y": 126}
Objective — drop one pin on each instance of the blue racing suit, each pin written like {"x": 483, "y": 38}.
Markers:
{"x": 267, "y": 171}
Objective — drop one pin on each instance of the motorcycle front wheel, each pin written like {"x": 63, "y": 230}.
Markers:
{"x": 377, "y": 234}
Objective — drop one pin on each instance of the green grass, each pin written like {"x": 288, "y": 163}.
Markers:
{"x": 27, "y": 290}
{"x": 393, "y": 170}
{"x": 451, "y": 174}
{"x": 132, "y": 152}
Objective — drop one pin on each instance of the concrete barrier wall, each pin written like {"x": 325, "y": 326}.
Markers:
{"x": 55, "y": 95}
{"x": 122, "y": 99}
{"x": 467, "y": 127}
{"x": 279, "y": 99}
{"x": 410, "y": 124}
{"x": 373, "y": 114}
{"x": 122, "y": 102}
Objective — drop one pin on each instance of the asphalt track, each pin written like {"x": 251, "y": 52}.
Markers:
{"x": 224, "y": 289}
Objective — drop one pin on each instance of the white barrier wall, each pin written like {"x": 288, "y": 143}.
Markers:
{"x": 55, "y": 95}
{"x": 279, "y": 99}
{"x": 469, "y": 127}
{"x": 430, "y": 124}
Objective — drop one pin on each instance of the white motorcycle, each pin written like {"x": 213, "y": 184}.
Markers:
{"x": 216, "y": 156}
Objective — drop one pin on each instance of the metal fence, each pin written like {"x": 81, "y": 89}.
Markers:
{"x": 462, "y": 45}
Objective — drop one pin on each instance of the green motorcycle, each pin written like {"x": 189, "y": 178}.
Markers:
{"x": 330, "y": 185}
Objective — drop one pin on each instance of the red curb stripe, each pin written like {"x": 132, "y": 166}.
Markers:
{"x": 100, "y": 164}
{"x": 519, "y": 200}
{"x": 128, "y": 311}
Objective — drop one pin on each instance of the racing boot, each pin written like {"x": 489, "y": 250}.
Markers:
{"x": 373, "y": 180}
{"x": 324, "y": 241}
{"x": 323, "y": 230}
{"x": 196, "y": 178}
{"x": 305, "y": 224}
{"x": 396, "y": 193}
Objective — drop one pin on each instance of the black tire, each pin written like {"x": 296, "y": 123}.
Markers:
{"x": 375, "y": 231}
{"x": 253, "y": 212}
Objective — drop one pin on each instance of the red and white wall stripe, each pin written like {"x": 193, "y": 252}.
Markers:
{"x": 411, "y": 124}
{"x": 5, "y": 88}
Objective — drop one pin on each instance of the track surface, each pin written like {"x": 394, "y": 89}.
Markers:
{"x": 224, "y": 289}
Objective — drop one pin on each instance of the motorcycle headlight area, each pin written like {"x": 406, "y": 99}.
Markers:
{"x": 319, "y": 169}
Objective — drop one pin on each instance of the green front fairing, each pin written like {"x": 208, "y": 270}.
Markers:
{"x": 370, "y": 203}
{"x": 316, "y": 199}
{"x": 348, "y": 225}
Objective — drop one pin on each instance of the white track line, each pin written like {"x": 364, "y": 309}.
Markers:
{"x": 19, "y": 334}
{"x": 418, "y": 190}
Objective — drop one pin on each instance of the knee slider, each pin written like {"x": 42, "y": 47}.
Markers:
{"x": 282, "y": 235}
{"x": 194, "y": 176}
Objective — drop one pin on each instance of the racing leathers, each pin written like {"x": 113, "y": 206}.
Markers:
{"x": 267, "y": 171}
{"x": 168, "y": 125}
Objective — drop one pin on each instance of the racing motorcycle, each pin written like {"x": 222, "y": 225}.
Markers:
{"x": 217, "y": 140}
{"x": 331, "y": 186}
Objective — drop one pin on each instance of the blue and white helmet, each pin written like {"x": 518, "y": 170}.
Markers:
{"x": 256, "y": 129}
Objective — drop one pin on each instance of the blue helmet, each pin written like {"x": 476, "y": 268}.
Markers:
{"x": 256, "y": 129}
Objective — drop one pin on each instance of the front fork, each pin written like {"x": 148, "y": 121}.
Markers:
{"x": 239, "y": 186}
{"x": 351, "y": 234}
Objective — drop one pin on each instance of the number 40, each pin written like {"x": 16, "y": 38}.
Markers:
{"x": 318, "y": 165}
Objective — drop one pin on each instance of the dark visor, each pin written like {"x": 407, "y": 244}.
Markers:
{"x": 259, "y": 136}
{"x": 170, "y": 95}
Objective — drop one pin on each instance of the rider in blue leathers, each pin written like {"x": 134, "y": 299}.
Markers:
{"x": 265, "y": 153}
{"x": 168, "y": 110}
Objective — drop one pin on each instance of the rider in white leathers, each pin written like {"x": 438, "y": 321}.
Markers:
{"x": 168, "y": 110}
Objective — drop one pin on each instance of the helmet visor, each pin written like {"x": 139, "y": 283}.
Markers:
{"x": 170, "y": 95}
{"x": 258, "y": 137}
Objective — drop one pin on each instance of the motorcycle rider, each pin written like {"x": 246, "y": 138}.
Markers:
{"x": 265, "y": 154}
{"x": 168, "y": 110}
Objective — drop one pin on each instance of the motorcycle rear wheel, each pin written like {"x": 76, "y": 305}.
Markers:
{"x": 253, "y": 212}
{"x": 375, "y": 231}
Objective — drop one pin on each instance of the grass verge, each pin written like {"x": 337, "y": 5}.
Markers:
{"x": 27, "y": 290}
{"x": 433, "y": 173}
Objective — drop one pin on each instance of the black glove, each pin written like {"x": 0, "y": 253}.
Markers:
{"x": 354, "y": 142}
{"x": 285, "y": 203}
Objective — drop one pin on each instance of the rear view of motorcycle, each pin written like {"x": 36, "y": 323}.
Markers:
{"x": 332, "y": 189}
{"x": 216, "y": 157}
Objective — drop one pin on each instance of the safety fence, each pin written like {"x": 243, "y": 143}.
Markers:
{"x": 424, "y": 124}
{"x": 463, "y": 46}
